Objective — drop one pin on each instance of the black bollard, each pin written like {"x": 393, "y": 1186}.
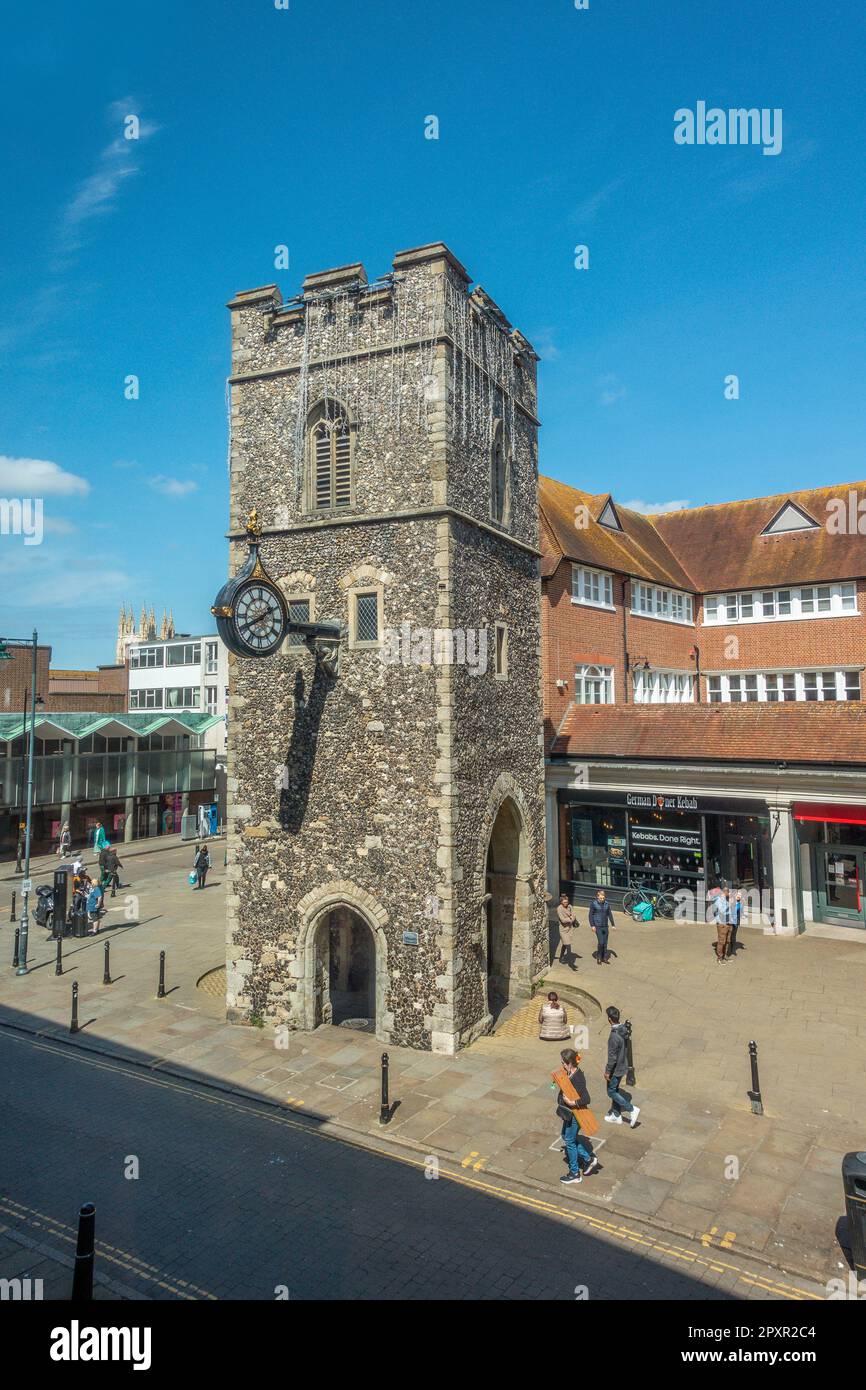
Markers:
{"x": 755, "y": 1093}
{"x": 12, "y": 910}
{"x": 160, "y": 993}
{"x": 106, "y": 974}
{"x": 629, "y": 1076}
{"x": 385, "y": 1110}
{"x": 58, "y": 969}
{"x": 73, "y": 1027}
{"x": 82, "y": 1274}
{"x": 15, "y": 951}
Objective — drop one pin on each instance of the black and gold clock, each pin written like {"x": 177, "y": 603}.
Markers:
{"x": 251, "y": 612}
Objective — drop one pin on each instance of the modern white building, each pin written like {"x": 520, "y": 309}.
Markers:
{"x": 182, "y": 673}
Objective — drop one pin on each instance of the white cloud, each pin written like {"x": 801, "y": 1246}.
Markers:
{"x": 587, "y": 210}
{"x": 59, "y": 526}
{"x": 96, "y": 194}
{"x": 172, "y": 487}
{"x": 658, "y": 508}
{"x": 38, "y": 478}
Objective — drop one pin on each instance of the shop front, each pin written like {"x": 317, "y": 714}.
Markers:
{"x": 832, "y": 846}
{"x": 618, "y": 840}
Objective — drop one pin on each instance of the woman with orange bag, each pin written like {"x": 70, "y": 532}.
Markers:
{"x": 566, "y": 1109}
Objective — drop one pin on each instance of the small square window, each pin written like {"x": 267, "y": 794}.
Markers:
{"x": 366, "y": 618}
{"x": 299, "y": 612}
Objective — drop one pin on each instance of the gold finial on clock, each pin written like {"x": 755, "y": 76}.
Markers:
{"x": 254, "y": 526}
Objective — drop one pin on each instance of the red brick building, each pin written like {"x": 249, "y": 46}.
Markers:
{"x": 703, "y": 699}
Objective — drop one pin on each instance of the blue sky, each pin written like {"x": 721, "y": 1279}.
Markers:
{"x": 305, "y": 126}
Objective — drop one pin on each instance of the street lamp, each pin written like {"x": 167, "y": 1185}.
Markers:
{"x": 34, "y": 700}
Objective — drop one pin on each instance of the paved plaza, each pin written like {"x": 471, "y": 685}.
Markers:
{"x": 700, "y": 1174}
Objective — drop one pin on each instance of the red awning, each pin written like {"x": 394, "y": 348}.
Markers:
{"x": 827, "y": 810}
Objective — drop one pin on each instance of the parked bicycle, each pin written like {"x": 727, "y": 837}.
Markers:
{"x": 637, "y": 898}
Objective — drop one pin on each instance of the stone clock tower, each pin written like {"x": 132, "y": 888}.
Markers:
{"x": 386, "y": 819}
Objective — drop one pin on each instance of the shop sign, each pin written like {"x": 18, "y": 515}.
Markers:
{"x": 660, "y": 802}
{"x": 656, "y": 837}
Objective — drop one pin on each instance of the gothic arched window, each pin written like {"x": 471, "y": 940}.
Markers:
{"x": 499, "y": 476}
{"x": 330, "y": 466}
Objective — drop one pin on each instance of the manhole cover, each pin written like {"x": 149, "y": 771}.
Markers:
{"x": 213, "y": 982}
{"x": 361, "y": 1025}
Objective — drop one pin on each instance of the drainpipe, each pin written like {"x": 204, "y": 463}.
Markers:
{"x": 625, "y": 603}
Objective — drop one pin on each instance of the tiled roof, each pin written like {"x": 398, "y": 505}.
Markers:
{"x": 722, "y": 547}
{"x": 77, "y": 726}
{"x": 636, "y": 550}
{"x": 704, "y": 549}
{"x": 779, "y": 733}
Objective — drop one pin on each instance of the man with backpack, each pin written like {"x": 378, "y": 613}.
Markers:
{"x": 601, "y": 920}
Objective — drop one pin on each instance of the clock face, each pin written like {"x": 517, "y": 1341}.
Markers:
{"x": 260, "y": 618}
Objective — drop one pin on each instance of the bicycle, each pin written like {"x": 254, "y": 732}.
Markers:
{"x": 663, "y": 904}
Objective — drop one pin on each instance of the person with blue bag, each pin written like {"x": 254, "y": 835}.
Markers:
{"x": 200, "y": 866}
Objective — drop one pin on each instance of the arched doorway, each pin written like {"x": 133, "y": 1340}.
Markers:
{"x": 507, "y": 908}
{"x": 345, "y": 970}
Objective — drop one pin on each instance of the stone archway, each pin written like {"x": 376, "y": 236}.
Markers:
{"x": 342, "y": 960}
{"x": 345, "y": 969}
{"x": 507, "y": 943}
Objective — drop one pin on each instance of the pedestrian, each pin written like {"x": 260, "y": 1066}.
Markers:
{"x": 735, "y": 913}
{"x": 94, "y": 907}
{"x": 553, "y": 1019}
{"x": 100, "y": 839}
{"x": 567, "y": 1111}
{"x": 567, "y": 920}
{"x": 201, "y": 864}
{"x": 110, "y": 866}
{"x": 601, "y": 920}
{"x": 615, "y": 1070}
{"x": 723, "y": 925}
{"x": 65, "y": 839}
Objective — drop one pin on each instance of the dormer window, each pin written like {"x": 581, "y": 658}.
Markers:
{"x": 789, "y": 517}
{"x": 608, "y": 516}
{"x": 330, "y": 466}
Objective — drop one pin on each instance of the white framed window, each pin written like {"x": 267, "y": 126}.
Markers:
{"x": 183, "y": 654}
{"x": 594, "y": 587}
{"x": 771, "y": 605}
{"x": 141, "y": 658}
{"x": 145, "y": 699}
{"x": 671, "y": 605}
{"x": 211, "y": 656}
{"x": 663, "y": 687}
{"x": 593, "y": 685}
{"x": 210, "y": 699}
{"x": 182, "y": 697}
{"x": 778, "y": 687}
